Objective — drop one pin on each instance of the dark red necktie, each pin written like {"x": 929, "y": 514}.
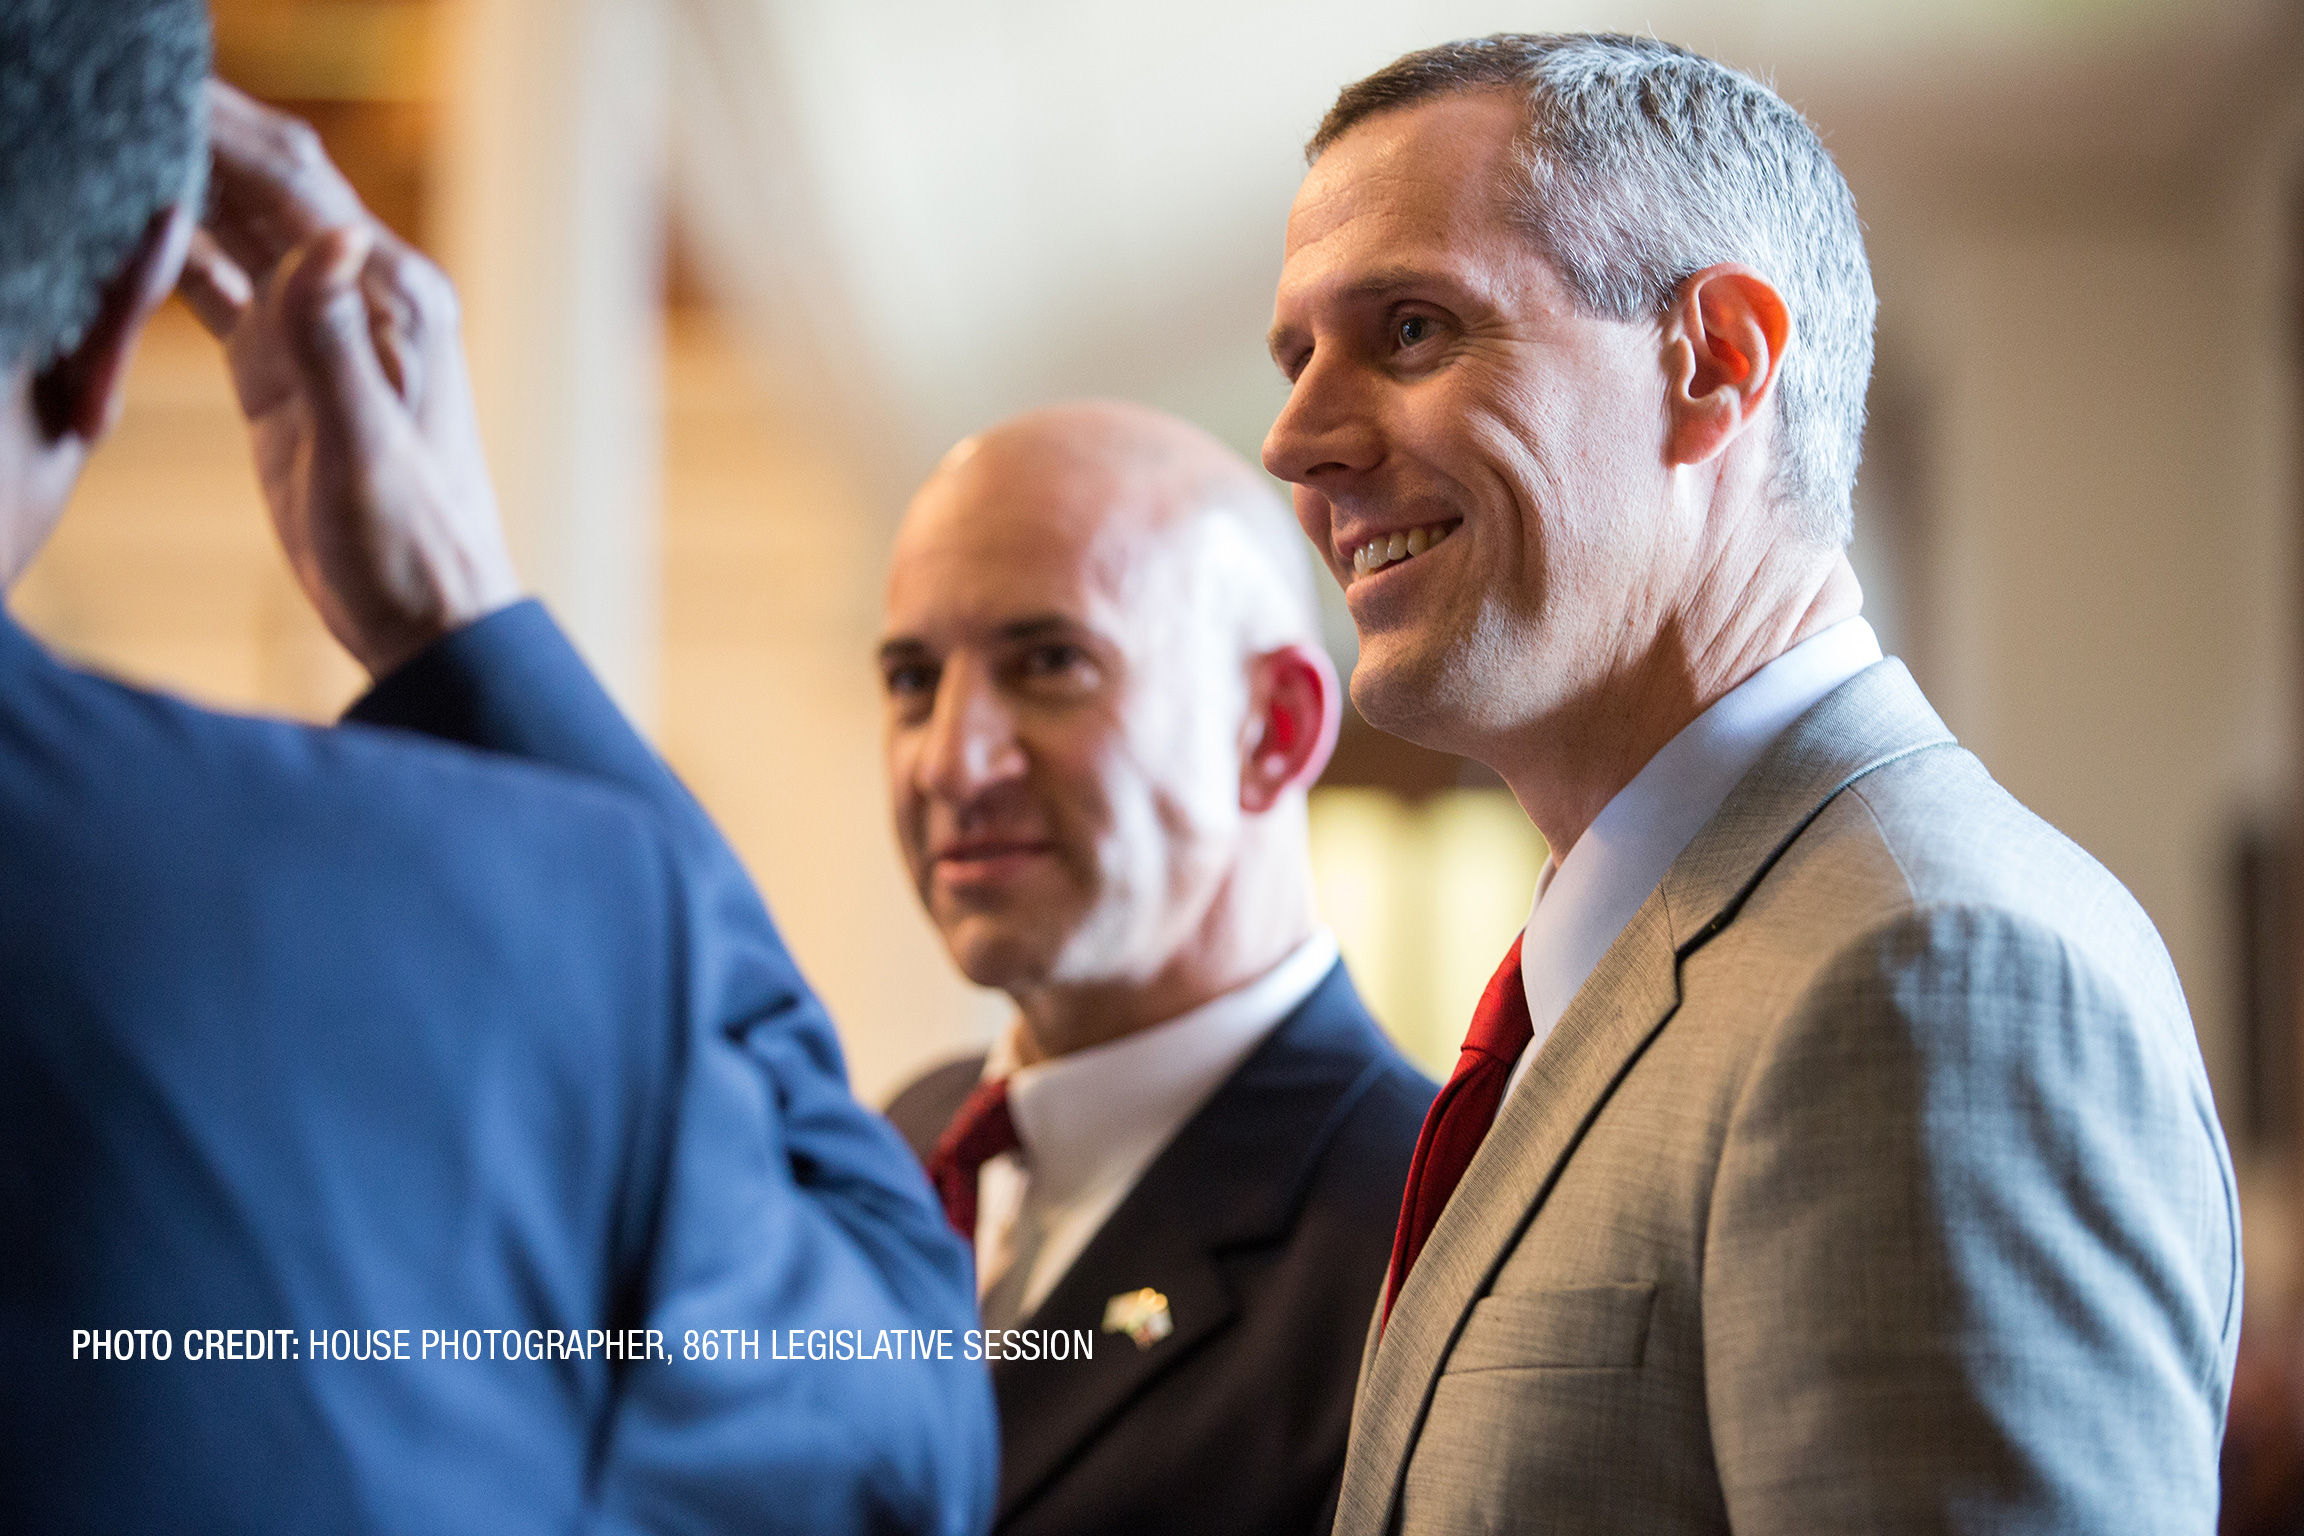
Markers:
{"x": 1460, "y": 1117}
{"x": 980, "y": 1132}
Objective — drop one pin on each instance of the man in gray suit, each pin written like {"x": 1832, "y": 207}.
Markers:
{"x": 1832, "y": 1152}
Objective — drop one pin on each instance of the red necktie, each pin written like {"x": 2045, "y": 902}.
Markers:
{"x": 980, "y": 1132}
{"x": 1460, "y": 1117}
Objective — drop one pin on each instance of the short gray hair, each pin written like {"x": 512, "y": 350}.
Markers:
{"x": 1647, "y": 163}
{"x": 102, "y": 125}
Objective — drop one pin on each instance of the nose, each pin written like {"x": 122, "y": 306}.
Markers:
{"x": 1326, "y": 431}
{"x": 970, "y": 744}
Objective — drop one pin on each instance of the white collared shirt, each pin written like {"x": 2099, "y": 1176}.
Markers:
{"x": 1090, "y": 1122}
{"x": 1583, "y": 902}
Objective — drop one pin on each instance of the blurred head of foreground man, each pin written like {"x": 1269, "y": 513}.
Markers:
{"x": 1832, "y": 1151}
{"x": 1106, "y": 699}
{"x": 385, "y": 1125}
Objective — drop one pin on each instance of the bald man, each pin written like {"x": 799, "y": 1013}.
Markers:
{"x": 1106, "y": 700}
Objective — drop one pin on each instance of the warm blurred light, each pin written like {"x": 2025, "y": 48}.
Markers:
{"x": 369, "y": 75}
{"x": 1425, "y": 896}
{"x": 331, "y": 50}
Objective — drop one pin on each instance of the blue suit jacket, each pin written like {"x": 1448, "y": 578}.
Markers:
{"x": 1267, "y": 1223}
{"x": 305, "y": 1030}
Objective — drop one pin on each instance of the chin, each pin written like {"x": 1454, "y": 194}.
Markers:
{"x": 995, "y": 955}
{"x": 1456, "y": 691}
{"x": 1407, "y": 696}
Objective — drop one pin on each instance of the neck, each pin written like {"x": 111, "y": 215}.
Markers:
{"x": 37, "y": 470}
{"x": 1567, "y": 765}
{"x": 1261, "y": 911}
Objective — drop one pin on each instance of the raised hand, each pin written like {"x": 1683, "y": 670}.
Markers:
{"x": 346, "y": 356}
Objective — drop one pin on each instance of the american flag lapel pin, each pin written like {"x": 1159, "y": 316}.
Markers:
{"x": 1142, "y": 1315}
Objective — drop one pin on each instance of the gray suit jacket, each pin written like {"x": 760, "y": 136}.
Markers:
{"x": 1870, "y": 1184}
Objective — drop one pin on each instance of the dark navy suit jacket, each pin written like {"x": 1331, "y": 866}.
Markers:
{"x": 1267, "y": 1223}
{"x": 305, "y": 1030}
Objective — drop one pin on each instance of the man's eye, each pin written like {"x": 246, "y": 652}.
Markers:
{"x": 1414, "y": 329}
{"x": 1055, "y": 671}
{"x": 1052, "y": 660}
{"x": 910, "y": 681}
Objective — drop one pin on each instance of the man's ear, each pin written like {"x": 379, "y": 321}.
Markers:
{"x": 1725, "y": 335}
{"x": 79, "y": 393}
{"x": 1298, "y": 708}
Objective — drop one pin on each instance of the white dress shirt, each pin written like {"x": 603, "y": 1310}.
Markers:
{"x": 1583, "y": 901}
{"x": 1090, "y": 1122}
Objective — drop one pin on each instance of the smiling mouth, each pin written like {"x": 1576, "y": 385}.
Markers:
{"x": 976, "y": 861}
{"x": 1392, "y": 548}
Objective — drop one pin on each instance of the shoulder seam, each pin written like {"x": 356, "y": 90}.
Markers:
{"x": 1887, "y": 845}
{"x": 1735, "y": 904}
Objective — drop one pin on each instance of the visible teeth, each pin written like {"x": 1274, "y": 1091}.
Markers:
{"x": 1376, "y": 554}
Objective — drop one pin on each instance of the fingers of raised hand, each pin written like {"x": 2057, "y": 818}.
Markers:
{"x": 214, "y": 286}
{"x": 396, "y": 329}
{"x": 327, "y": 322}
{"x": 274, "y": 187}
{"x": 412, "y": 311}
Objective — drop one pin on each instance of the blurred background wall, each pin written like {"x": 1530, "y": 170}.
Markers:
{"x": 737, "y": 271}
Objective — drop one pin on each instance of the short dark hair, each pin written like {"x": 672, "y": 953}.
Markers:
{"x": 102, "y": 125}
{"x": 1645, "y": 163}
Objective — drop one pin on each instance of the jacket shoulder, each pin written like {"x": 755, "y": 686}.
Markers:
{"x": 1963, "y": 844}
{"x": 92, "y": 743}
{"x": 1933, "y": 833}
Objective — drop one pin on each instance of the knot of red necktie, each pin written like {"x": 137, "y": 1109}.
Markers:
{"x": 981, "y": 1131}
{"x": 1459, "y": 1119}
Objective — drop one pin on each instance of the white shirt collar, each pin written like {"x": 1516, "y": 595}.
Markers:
{"x": 1583, "y": 902}
{"x": 1093, "y": 1120}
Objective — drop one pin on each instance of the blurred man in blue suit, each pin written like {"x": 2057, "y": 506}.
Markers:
{"x": 308, "y": 1030}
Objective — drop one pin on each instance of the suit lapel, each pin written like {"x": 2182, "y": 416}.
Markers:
{"x": 1235, "y": 1175}
{"x": 1049, "y": 1411}
{"x": 1629, "y": 995}
{"x": 1870, "y": 721}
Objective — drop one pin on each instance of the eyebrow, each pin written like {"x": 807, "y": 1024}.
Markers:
{"x": 1036, "y": 627}
{"x": 1039, "y": 627}
{"x": 902, "y": 648}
